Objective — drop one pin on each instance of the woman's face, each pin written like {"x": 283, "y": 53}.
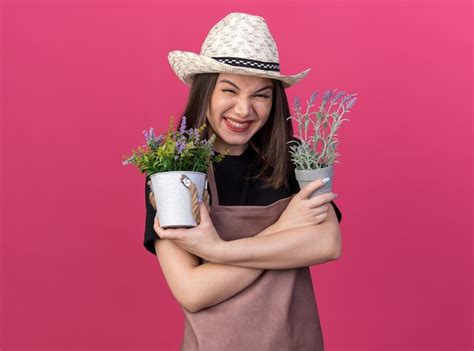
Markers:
{"x": 239, "y": 107}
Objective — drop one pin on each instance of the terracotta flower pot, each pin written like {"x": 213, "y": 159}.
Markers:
{"x": 306, "y": 176}
{"x": 173, "y": 198}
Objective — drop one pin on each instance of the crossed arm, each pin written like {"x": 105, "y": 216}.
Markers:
{"x": 240, "y": 262}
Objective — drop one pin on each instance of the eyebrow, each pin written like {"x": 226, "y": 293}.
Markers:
{"x": 259, "y": 90}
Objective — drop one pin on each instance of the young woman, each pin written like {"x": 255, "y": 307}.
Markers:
{"x": 242, "y": 275}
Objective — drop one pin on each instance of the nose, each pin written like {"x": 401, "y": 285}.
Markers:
{"x": 242, "y": 107}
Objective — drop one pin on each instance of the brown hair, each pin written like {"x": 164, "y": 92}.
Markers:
{"x": 270, "y": 142}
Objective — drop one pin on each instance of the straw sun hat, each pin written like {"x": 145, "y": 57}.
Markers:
{"x": 239, "y": 43}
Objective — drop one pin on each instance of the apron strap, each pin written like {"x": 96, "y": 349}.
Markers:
{"x": 212, "y": 184}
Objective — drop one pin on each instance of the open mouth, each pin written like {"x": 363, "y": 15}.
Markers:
{"x": 237, "y": 127}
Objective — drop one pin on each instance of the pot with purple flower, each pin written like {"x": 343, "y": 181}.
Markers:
{"x": 177, "y": 164}
{"x": 313, "y": 152}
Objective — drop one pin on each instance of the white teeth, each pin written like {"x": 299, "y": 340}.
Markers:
{"x": 238, "y": 125}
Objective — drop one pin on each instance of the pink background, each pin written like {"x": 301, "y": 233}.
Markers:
{"x": 82, "y": 80}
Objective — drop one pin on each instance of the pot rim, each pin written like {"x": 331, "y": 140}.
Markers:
{"x": 314, "y": 169}
{"x": 172, "y": 172}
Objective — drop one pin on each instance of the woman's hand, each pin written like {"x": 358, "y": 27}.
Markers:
{"x": 303, "y": 211}
{"x": 202, "y": 240}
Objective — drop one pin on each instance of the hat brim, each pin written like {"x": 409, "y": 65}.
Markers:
{"x": 186, "y": 64}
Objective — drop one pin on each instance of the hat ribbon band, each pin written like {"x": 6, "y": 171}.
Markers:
{"x": 241, "y": 62}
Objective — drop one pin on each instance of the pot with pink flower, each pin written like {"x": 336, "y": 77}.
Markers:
{"x": 314, "y": 150}
{"x": 177, "y": 164}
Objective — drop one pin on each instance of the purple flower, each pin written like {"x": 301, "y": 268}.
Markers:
{"x": 346, "y": 98}
{"x": 180, "y": 145}
{"x": 313, "y": 97}
{"x": 351, "y": 103}
{"x": 159, "y": 139}
{"x": 182, "y": 128}
{"x": 152, "y": 140}
{"x": 338, "y": 96}
{"x": 327, "y": 95}
{"x": 147, "y": 137}
{"x": 297, "y": 103}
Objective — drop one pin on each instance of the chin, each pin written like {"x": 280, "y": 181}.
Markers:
{"x": 236, "y": 139}
{"x": 233, "y": 143}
